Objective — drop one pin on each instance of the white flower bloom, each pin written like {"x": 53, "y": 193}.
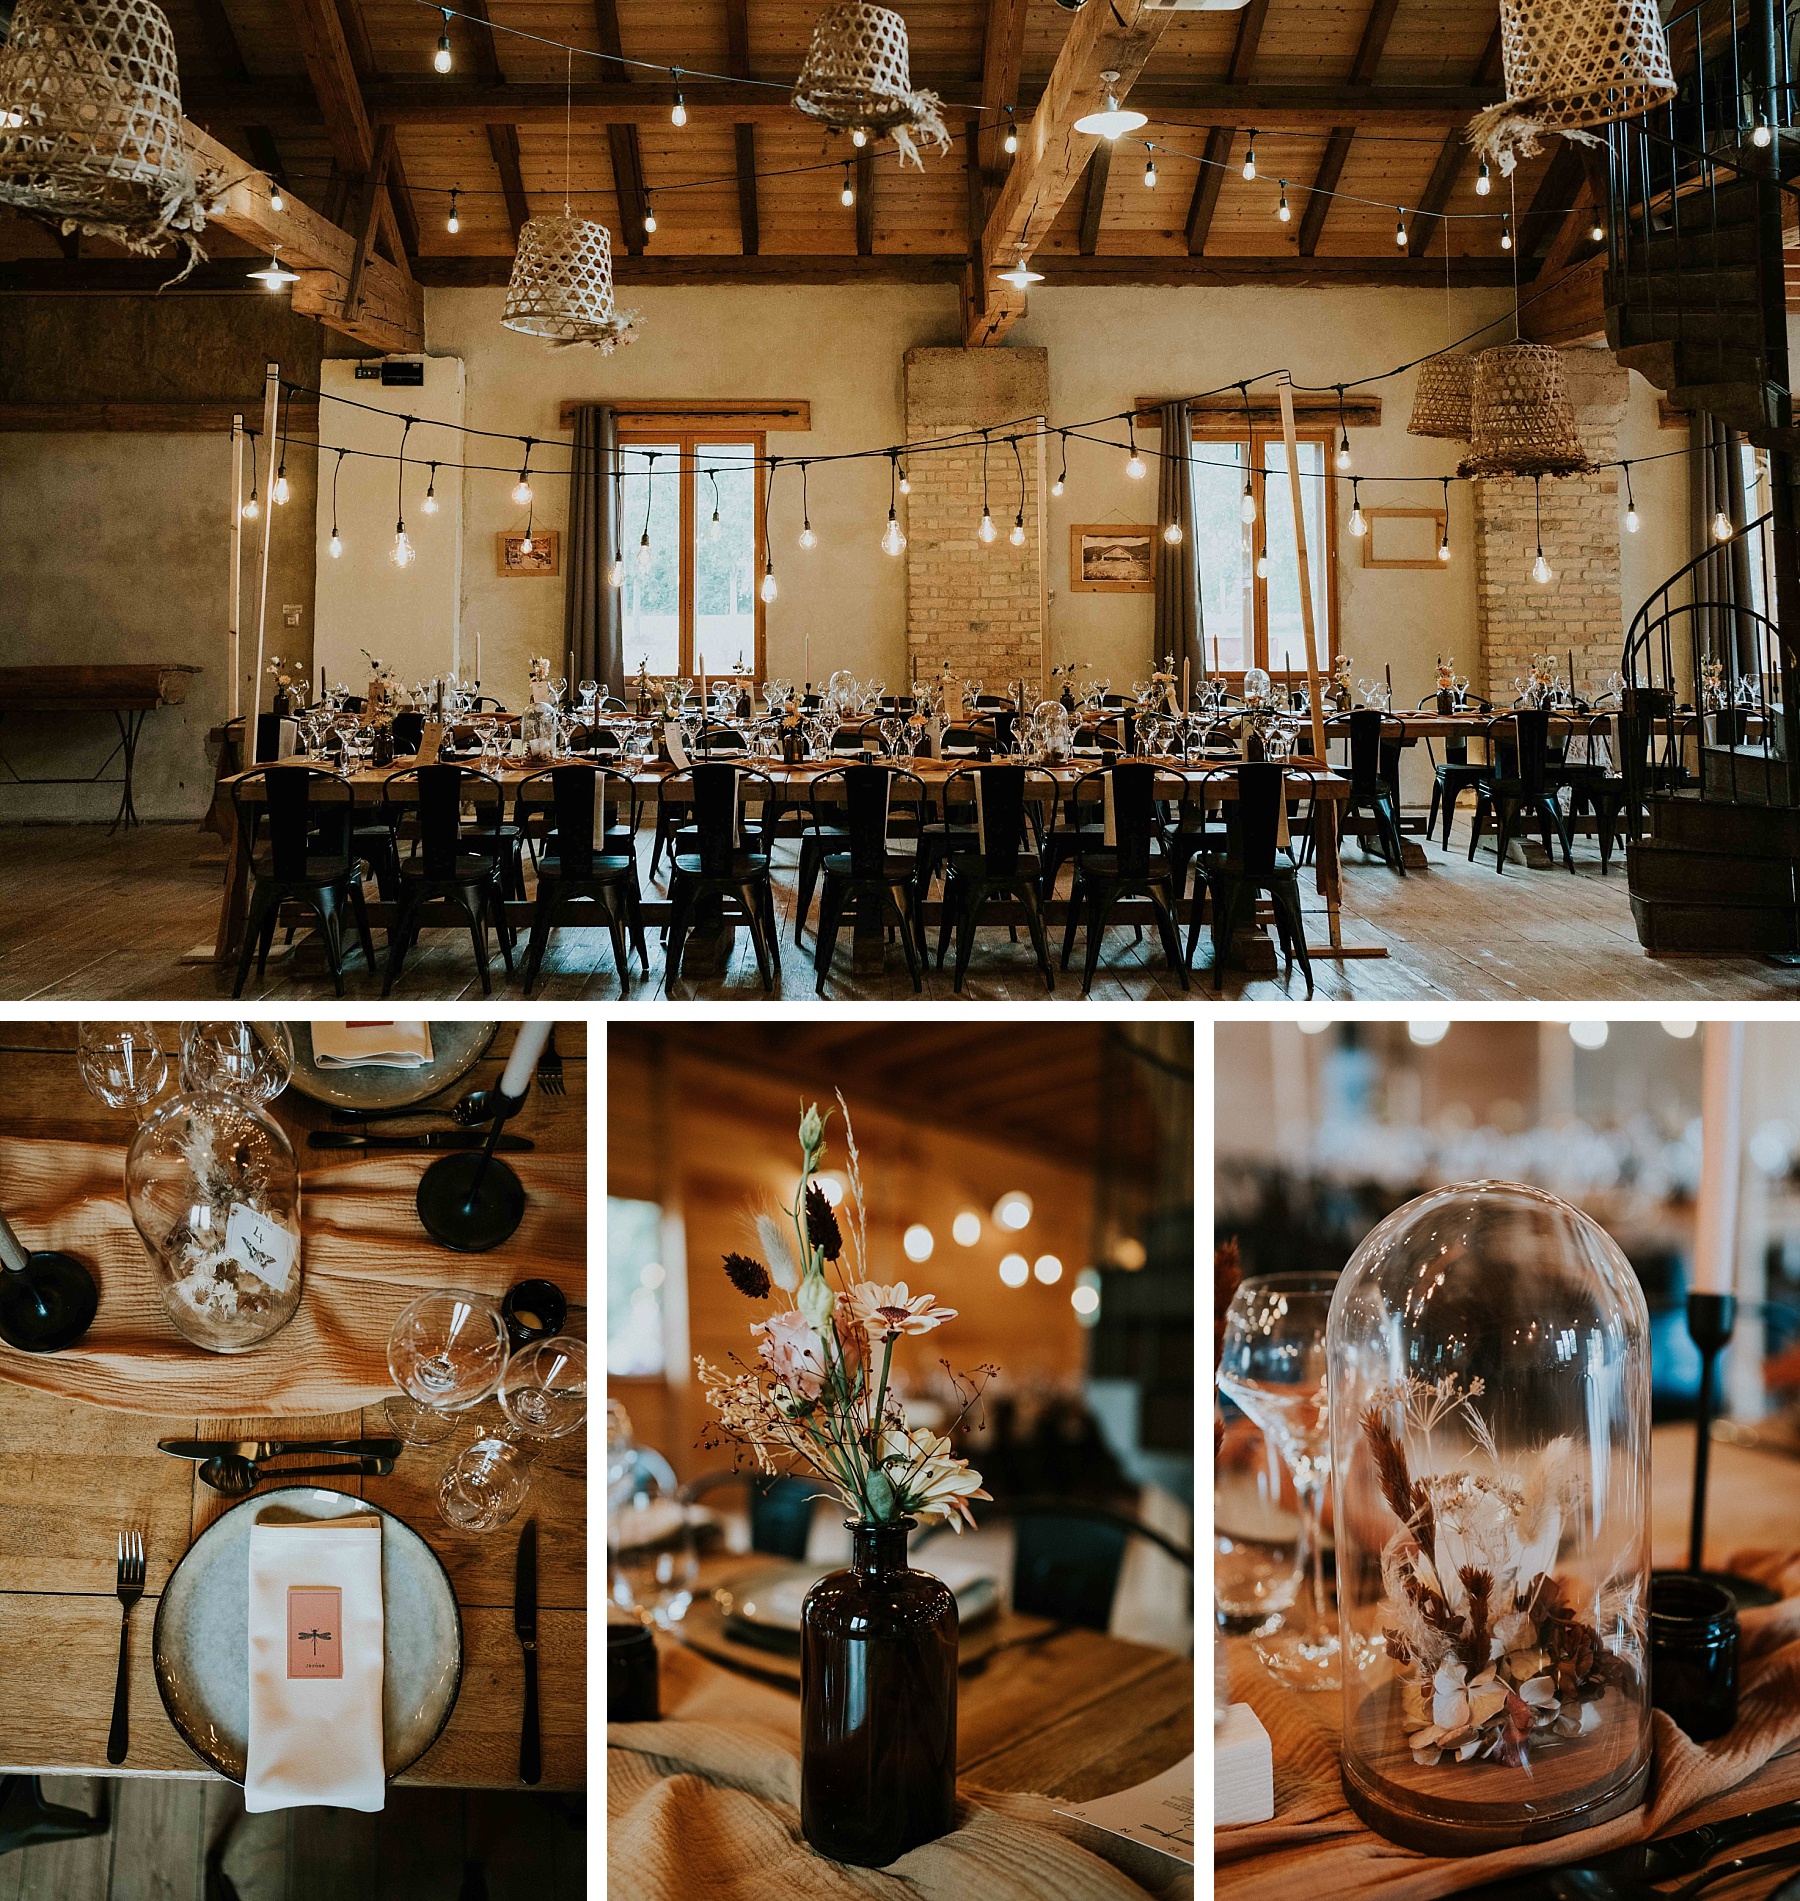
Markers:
{"x": 885, "y": 1312}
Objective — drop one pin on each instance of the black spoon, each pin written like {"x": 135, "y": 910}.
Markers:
{"x": 236, "y": 1476}
{"x": 1592, "y": 1884}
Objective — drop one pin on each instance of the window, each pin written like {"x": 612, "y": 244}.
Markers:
{"x": 692, "y": 594}
{"x": 636, "y": 1284}
{"x": 1252, "y": 619}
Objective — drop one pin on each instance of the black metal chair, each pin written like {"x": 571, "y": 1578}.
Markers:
{"x": 1374, "y": 768}
{"x": 307, "y": 816}
{"x": 1252, "y": 865}
{"x": 1067, "y": 1555}
{"x": 1519, "y": 783}
{"x": 589, "y": 864}
{"x": 447, "y": 868}
{"x": 28, "y": 1819}
{"x": 870, "y": 869}
{"x": 999, "y": 866}
{"x": 1595, "y": 785}
{"x": 1453, "y": 776}
{"x": 719, "y": 870}
{"x": 824, "y": 830}
{"x": 1130, "y": 861}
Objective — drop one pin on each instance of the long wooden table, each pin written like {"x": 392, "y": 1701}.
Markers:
{"x": 130, "y": 691}
{"x": 73, "y": 1475}
{"x": 1212, "y": 783}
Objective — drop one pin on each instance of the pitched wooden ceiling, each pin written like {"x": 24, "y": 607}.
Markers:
{"x": 1365, "y": 98}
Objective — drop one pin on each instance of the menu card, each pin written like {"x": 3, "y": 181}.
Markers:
{"x": 1156, "y": 1814}
{"x": 370, "y": 1043}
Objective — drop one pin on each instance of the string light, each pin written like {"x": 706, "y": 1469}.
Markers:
{"x": 1150, "y": 167}
{"x": 767, "y": 590}
{"x": 649, "y": 214}
{"x": 1631, "y": 514}
{"x": 1262, "y": 561}
{"x": 1172, "y": 534}
{"x": 1281, "y": 210}
{"x": 1484, "y": 182}
{"x": 453, "y": 223}
{"x": 1247, "y": 507}
{"x": 1134, "y": 466}
{"x": 1056, "y": 487}
{"x": 1400, "y": 229}
{"x": 1010, "y": 143}
{"x": 430, "y": 503}
{"x": 859, "y": 137}
{"x": 335, "y": 546}
{"x": 905, "y": 483}
{"x": 252, "y": 508}
{"x": 1444, "y": 538}
{"x": 807, "y": 538}
{"x": 1597, "y": 231}
{"x": 677, "y": 112}
{"x": 1506, "y": 231}
{"x": 987, "y": 531}
{"x": 1016, "y": 534}
{"x": 441, "y": 59}
{"x": 714, "y": 528}
{"x": 644, "y": 557}
{"x": 1760, "y": 136}
{"x": 1358, "y": 522}
{"x": 615, "y": 575}
{"x": 1541, "y": 570}
{"x": 892, "y": 540}
{"x": 848, "y": 195}
{"x": 278, "y": 492}
{"x": 1343, "y": 448}
{"x": 1250, "y": 155}
{"x": 1113, "y": 121}
{"x": 276, "y": 201}
{"x": 522, "y": 488}
{"x": 1721, "y": 526}
{"x": 403, "y": 551}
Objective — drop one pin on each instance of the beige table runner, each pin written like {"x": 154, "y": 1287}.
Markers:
{"x": 1318, "y": 1846}
{"x": 364, "y": 1257}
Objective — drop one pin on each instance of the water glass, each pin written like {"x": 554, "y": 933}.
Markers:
{"x": 245, "y": 1059}
{"x": 122, "y": 1064}
{"x": 543, "y": 1394}
{"x": 447, "y": 1353}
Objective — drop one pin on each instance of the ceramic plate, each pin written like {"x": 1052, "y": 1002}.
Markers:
{"x": 458, "y": 1048}
{"x": 202, "y": 1640}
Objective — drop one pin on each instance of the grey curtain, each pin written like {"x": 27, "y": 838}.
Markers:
{"x": 1715, "y": 482}
{"x": 1180, "y": 619}
{"x": 591, "y": 623}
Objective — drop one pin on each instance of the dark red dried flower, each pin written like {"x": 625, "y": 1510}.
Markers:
{"x": 748, "y": 1276}
{"x": 821, "y": 1223}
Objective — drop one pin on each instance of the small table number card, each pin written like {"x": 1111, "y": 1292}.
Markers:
{"x": 266, "y": 1249}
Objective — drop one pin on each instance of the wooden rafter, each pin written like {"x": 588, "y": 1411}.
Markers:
{"x": 1218, "y": 140}
{"x": 1452, "y": 156}
{"x": 401, "y": 211}
{"x": 621, "y": 136}
{"x": 1563, "y": 178}
{"x": 1052, "y": 157}
{"x": 228, "y": 56}
{"x": 1093, "y": 203}
{"x": 368, "y": 216}
{"x": 737, "y": 57}
{"x": 503, "y": 142}
{"x": 1337, "y": 148}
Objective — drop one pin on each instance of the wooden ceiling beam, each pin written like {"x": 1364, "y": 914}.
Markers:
{"x": 1272, "y": 106}
{"x": 621, "y": 134}
{"x": 326, "y": 50}
{"x": 1052, "y": 156}
{"x": 1205, "y": 200}
{"x": 1558, "y": 189}
{"x": 1002, "y": 55}
{"x": 228, "y": 56}
{"x": 1093, "y": 203}
{"x": 743, "y": 132}
{"x": 1337, "y": 148}
{"x": 503, "y": 142}
{"x": 399, "y": 207}
{"x": 1452, "y": 156}
{"x": 1059, "y": 268}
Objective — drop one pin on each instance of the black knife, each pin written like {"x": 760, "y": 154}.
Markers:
{"x": 1664, "y": 1860}
{"x": 427, "y": 1139}
{"x": 531, "y": 1766}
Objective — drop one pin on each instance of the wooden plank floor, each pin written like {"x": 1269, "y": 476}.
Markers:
{"x": 86, "y": 917}
{"x": 530, "y": 1848}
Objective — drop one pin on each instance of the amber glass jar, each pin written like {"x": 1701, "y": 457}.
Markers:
{"x": 877, "y": 1704}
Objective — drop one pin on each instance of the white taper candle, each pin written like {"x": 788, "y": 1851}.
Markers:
{"x": 527, "y": 1047}
{"x": 1721, "y": 1114}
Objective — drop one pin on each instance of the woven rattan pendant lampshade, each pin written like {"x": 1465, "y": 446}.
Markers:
{"x": 1522, "y": 421}
{"x": 1441, "y": 398}
{"x": 857, "y": 76}
{"x": 562, "y": 285}
{"x": 91, "y": 123}
{"x": 1571, "y": 64}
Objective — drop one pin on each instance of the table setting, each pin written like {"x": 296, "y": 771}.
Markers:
{"x": 1474, "y": 1633}
{"x": 324, "y": 1467}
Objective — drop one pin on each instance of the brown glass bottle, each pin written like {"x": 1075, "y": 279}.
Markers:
{"x": 877, "y": 1704}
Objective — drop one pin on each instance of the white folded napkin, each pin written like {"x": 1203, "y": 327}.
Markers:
{"x": 316, "y": 1629}
{"x": 372, "y": 1045}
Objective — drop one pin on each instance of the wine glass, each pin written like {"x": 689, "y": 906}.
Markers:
{"x": 447, "y": 1352}
{"x": 1272, "y": 1367}
{"x": 122, "y": 1064}
{"x": 543, "y": 1394}
{"x": 247, "y": 1059}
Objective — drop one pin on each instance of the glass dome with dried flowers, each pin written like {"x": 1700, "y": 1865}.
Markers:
{"x": 1489, "y": 1370}
{"x": 878, "y": 1641}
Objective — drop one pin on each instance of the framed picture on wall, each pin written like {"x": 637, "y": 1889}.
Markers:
{"x": 1112, "y": 558}
{"x": 545, "y": 556}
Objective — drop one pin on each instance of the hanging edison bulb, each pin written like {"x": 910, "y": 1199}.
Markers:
{"x": 403, "y": 551}
{"x": 1631, "y": 521}
{"x": 1016, "y": 533}
{"x": 1541, "y": 571}
{"x": 714, "y": 528}
{"x": 1172, "y": 534}
{"x": 334, "y": 547}
{"x": 644, "y": 556}
{"x": 252, "y": 508}
{"x": 767, "y": 590}
{"x": 892, "y": 540}
{"x": 615, "y": 575}
{"x": 1721, "y": 526}
{"x": 1135, "y": 467}
{"x": 1262, "y": 565}
{"x": 1343, "y": 453}
{"x": 807, "y": 538}
{"x": 987, "y": 531}
{"x": 1247, "y": 507}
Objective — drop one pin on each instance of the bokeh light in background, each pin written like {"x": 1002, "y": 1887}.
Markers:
{"x": 918, "y": 1242}
{"x": 1048, "y": 1269}
{"x": 1013, "y": 1210}
{"x": 965, "y": 1230}
{"x": 1015, "y": 1270}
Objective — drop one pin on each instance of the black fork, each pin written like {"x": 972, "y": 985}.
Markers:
{"x": 130, "y": 1588}
{"x": 550, "y": 1068}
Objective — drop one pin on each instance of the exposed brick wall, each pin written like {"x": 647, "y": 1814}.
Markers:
{"x": 1582, "y": 609}
{"x": 975, "y": 604}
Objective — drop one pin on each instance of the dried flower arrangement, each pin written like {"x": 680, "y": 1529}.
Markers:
{"x": 1497, "y": 1662}
{"x": 820, "y": 1401}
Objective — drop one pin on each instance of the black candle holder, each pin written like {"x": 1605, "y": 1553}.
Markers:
{"x": 47, "y": 1300}
{"x": 471, "y": 1200}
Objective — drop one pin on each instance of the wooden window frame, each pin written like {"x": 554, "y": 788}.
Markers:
{"x": 689, "y": 444}
{"x": 1224, "y": 429}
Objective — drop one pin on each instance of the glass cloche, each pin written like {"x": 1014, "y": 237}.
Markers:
{"x": 213, "y": 1189}
{"x": 1489, "y": 1367}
